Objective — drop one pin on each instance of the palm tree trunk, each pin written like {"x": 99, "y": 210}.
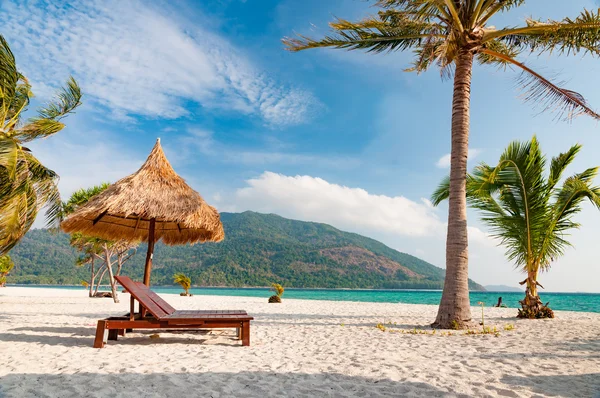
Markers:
{"x": 531, "y": 305}
{"x": 455, "y": 308}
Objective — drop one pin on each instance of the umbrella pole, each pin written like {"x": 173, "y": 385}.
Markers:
{"x": 150, "y": 253}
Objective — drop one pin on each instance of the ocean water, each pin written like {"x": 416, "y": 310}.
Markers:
{"x": 587, "y": 302}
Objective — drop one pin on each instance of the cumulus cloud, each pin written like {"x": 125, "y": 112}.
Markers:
{"x": 352, "y": 209}
{"x": 136, "y": 60}
{"x": 314, "y": 199}
{"x": 444, "y": 161}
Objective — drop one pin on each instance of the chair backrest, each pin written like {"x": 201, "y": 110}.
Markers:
{"x": 141, "y": 296}
{"x": 168, "y": 308}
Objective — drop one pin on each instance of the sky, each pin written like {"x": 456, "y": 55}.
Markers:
{"x": 344, "y": 138}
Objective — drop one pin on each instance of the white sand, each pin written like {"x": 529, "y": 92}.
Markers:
{"x": 299, "y": 349}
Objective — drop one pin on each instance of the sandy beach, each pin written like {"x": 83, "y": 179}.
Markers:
{"x": 299, "y": 348}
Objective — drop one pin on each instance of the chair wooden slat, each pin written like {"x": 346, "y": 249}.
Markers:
{"x": 141, "y": 296}
{"x": 168, "y": 308}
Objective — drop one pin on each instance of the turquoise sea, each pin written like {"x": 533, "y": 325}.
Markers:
{"x": 587, "y": 302}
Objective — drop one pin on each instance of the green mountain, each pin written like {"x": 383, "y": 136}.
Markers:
{"x": 259, "y": 249}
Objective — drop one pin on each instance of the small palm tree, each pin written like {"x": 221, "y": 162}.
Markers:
{"x": 278, "y": 289}
{"x": 26, "y": 185}
{"x": 453, "y": 35}
{"x": 6, "y": 265}
{"x": 184, "y": 281}
{"x": 527, "y": 211}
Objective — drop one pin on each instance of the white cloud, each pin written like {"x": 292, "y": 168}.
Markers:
{"x": 314, "y": 199}
{"x": 351, "y": 209}
{"x": 136, "y": 60}
{"x": 444, "y": 161}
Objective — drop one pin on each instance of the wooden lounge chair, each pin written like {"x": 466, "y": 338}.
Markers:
{"x": 156, "y": 313}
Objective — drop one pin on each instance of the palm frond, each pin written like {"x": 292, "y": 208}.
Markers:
{"x": 493, "y": 7}
{"x": 559, "y": 164}
{"x": 569, "y": 36}
{"x": 442, "y": 192}
{"x": 544, "y": 93}
{"x": 38, "y": 128}
{"x": 371, "y": 34}
{"x": 419, "y": 9}
{"x": 567, "y": 204}
{"x": 9, "y": 76}
{"x": 65, "y": 102}
{"x": 8, "y": 157}
{"x": 507, "y": 50}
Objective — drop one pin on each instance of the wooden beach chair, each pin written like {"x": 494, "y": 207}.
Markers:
{"x": 156, "y": 313}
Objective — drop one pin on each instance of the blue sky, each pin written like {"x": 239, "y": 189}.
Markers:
{"x": 339, "y": 137}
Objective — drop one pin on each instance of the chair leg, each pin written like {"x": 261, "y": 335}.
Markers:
{"x": 113, "y": 334}
{"x": 246, "y": 333}
{"x": 238, "y": 333}
{"x": 122, "y": 332}
{"x": 101, "y": 334}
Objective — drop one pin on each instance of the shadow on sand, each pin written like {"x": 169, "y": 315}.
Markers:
{"x": 210, "y": 384}
{"x": 588, "y": 385}
{"x": 84, "y": 337}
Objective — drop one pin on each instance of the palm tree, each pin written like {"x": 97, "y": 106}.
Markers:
{"x": 453, "y": 34}
{"x": 527, "y": 211}
{"x": 184, "y": 281}
{"x": 25, "y": 184}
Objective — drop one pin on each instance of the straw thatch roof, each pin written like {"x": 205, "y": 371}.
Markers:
{"x": 125, "y": 208}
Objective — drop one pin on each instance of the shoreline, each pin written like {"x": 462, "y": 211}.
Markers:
{"x": 342, "y": 289}
{"x": 41, "y": 292}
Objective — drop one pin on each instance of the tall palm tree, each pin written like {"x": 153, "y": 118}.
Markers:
{"x": 26, "y": 185}
{"x": 527, "y": 211}
{"x": 453, "y": 34}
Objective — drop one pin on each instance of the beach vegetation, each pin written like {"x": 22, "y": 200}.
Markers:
{"x": 509, "y": 327}
{"x": 184, "y": 281}
{"x": 529, "y": 212}
{"x": 453, "y": 36}
{"x": 26, "y": 185}
{"x": 278, "y": 289}
{"x": 100, "y": 254}
{"x": 6, "y": 265}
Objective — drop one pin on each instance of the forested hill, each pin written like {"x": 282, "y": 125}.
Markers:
{"x": 258, "y": 249}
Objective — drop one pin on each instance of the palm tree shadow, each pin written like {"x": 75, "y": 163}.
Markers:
{"x": 240, "y": 384}
{"x": 588, "y": 385}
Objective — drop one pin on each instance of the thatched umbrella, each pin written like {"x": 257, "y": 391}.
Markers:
{"x": 153, "y": 203}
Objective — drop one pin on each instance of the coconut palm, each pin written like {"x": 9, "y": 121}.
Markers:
{"x": 25, "y": 184}
{"x": 452, "y": 35}
{"x": 184, "y": 281}
{"x": 527, "y": 211}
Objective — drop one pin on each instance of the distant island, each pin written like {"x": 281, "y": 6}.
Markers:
{"x": 503, "y": 288}
{"x": 259, "y": 249}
